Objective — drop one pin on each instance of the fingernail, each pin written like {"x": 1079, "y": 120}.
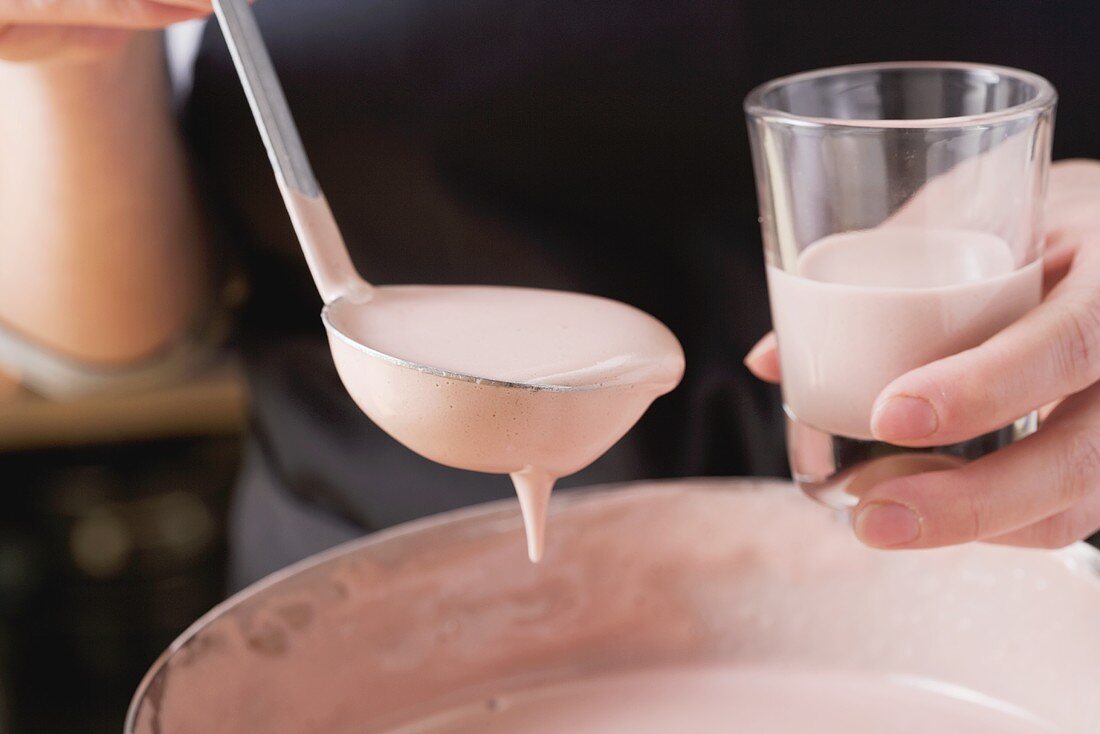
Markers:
{"x": 904, "y": 418}
{"x": 886, "y": 525}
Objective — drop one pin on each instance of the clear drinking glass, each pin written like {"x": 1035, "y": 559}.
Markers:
{"x": 901, "y": 207}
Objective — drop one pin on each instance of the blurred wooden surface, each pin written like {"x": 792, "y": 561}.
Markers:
{"x": 212, "y": 402}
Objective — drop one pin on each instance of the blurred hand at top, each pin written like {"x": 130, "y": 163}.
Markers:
{"x": 39, "y": 31}
{"x": 1044, "y": 490}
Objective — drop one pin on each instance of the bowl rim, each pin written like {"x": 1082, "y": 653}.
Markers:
{"x": 1079, "y": 557}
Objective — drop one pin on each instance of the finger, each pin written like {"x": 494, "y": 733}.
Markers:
{"x": 1070, "y": 180}
{"x": 1057, "y": 261}
{"x": 971, "y": 195}
{"x": 133, "y": 14}
{"x": 1058, "y": 530}
{"x": 1071, "y": 214}
{"x": 1064, "y": 527}
{"x": 20, "y": 43}
{"x": 1039, "y": 477}
{"x": 763, "y": 359}
{"x": 1051, "y": 352}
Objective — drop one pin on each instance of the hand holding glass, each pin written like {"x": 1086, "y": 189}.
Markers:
{"x": 901, "y": 212}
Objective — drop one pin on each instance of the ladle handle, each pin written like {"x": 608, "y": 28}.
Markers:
{"x": 323, "y": 245}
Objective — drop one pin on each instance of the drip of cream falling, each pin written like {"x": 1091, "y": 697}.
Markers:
{"x": 533, "y": 489}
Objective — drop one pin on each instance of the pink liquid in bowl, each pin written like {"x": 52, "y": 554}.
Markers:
{"x": 660, "y": 602}
{"x": 718, "y": 700}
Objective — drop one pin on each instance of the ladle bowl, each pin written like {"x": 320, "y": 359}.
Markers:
{"x": 516, "y": 423}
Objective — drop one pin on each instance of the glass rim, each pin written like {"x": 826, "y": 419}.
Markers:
{"x": 1044, "y": 97}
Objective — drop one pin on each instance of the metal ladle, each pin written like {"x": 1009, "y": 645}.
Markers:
{"x": 529, "y": 415}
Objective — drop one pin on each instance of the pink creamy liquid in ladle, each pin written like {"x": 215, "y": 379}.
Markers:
{"x": 560, "y": 378}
